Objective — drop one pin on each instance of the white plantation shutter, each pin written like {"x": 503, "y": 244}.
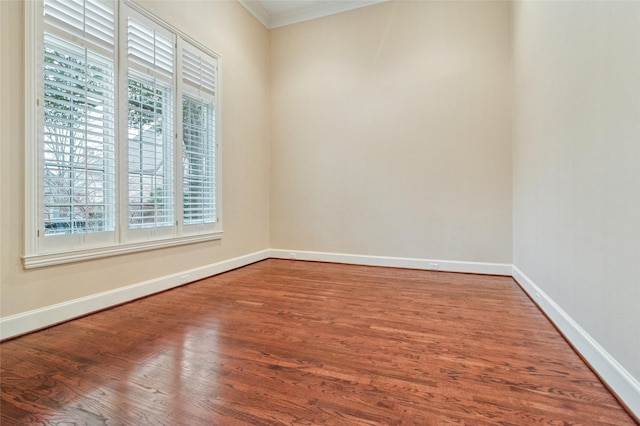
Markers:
{"x": 110, "y": 89}
{"x": 79, "y": 117}
{"x": 150, "y": 57}
{"x": 199, "y": 71}
{"x": 150, "y": 49}
{"x": 198, "y": 137}
{"x": 92, "y": 21}
{"x": 198, "y": 161}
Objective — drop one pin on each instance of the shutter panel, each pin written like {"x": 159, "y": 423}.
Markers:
{"x": 150, "y": 57}
{"x": 91, "y": 21}
{"x": 199, "y": 71}
{"x": 198, "y": 136}
{"x": 198, "y": 161}
{"x": 79, "y": 117}
{"x": 149, "y": 50}
{"x": 150, "y": 147}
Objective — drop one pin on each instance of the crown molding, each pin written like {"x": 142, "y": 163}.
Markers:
{"x": 313, "y": 11}
{"x": 256, "y": 9}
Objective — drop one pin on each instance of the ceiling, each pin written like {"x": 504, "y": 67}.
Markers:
{"x": 277, "y": 13}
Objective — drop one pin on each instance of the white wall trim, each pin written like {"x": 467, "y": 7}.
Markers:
{"x": 318, "y": 10}
{"x": 619, "y": 380}
{"x": 303, "y": 12}
{"x": 396, "y": 262}
{"x": 256, "y": 9}
{"x": 36, "y": 319}
{"x": 71, "y": 256}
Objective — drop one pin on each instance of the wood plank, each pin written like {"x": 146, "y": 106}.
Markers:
{"x": 286, "y": 342}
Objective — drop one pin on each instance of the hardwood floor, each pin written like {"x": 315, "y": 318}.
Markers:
{"x": 285, "y": 342}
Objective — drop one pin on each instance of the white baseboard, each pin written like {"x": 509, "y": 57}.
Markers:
{"x": 396, "y": 262}
{"x": 36, "y": 319}
{"x": 619, "y": 380}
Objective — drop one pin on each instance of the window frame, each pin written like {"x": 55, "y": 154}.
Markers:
{"x": 144, "y": 75}
{"x": 197, "y": 94}
{"x": 61, "y": 249}
{"x": 83, "y": 50}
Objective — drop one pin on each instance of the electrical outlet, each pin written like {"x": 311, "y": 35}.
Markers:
{"x": 434, "y": 266}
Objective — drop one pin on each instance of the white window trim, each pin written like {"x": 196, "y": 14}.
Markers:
{"x": 188, "y": 229}
{"x": 143, "y": 234}
{"x": 33, "y": 256}
{"x": 51, "y": 259}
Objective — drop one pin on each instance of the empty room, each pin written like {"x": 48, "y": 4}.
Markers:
{"x": 349, "y": 212}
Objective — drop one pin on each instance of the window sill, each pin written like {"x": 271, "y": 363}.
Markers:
{"x": 50, "y": 259}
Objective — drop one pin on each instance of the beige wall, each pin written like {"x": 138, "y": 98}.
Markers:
{"x": 576, "y": 147}
{"x": 226, "y": 28}
{"x": 391, "y": 132}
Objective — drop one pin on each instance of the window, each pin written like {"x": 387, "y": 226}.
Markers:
{"x": 119, "y": 159}
{"x": 78, "y": 139}
{"x": 198, "y": 161}
{"x": 198, "y": 137}
{"x": 150, "y": 134}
